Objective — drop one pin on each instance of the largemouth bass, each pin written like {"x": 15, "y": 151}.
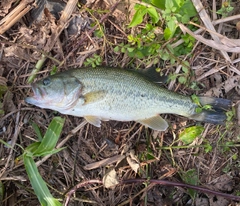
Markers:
{"x": 101, "y": 94}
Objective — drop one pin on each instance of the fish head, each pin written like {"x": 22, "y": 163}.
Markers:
{"x": 56, "y": 92}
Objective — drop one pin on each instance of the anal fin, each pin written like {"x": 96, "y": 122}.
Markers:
{"x": 156, "y": 123}
{"x": 96, "y": 121}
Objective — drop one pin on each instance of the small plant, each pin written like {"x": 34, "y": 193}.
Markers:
{"x": 190, "y": 177}
{"x": 44, "y": 147}
{"x": 162, "y": 25}
{"x": 225, "y": 9}
{"x": 94, "y": 61}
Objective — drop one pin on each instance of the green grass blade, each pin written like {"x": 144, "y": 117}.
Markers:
{"x": 38, "y": 184}
{"x": 37, "y": 131}
{"x": 51, "y": 136}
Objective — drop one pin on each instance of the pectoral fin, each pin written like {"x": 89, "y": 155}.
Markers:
{"x": 93, "y": 97}
{"x": 156, "y": 123}
{"x": 96, "y": 121}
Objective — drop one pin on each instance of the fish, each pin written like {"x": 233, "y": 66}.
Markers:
{"x": 103, "y": 93}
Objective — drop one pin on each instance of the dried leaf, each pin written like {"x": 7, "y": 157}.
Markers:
{"x": 133, "y": 161}
{"x": 110, "y": 179}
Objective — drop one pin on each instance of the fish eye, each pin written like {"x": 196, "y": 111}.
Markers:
{"x": 46, "y": 81}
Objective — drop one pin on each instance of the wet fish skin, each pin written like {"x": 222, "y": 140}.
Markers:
{"x": 115, "y": 94}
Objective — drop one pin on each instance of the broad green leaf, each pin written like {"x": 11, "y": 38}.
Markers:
{"x": 40, "y": 188}
{"x": 189, "y": 134}
{"x": 159, "y": 3}
{"x": 188, "y": 8}
{"x": 172, "y": 24}
{"x": 138, "y": 16}
{"x": 153, "y": 14}
{"x": 169, "y": 4}
{"x": 167, "y": 34}
{"x": 51, "y": 136}
{"x": 185, "y": 19}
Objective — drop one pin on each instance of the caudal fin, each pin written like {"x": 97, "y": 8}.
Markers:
{"x": 215, "y": 115}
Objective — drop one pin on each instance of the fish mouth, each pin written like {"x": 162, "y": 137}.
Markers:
{"x": 38, "y": 94}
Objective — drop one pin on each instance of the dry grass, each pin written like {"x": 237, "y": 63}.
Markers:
{"x": 159, "y": 154}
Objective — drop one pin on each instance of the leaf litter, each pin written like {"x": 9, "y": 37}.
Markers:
{"x": 22, "y": 45}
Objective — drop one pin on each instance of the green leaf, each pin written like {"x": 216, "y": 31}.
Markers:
{"x": 189, "y": 134}
{"x": 191, "y": 177}
{"x": 32, "y": 147}
{"x": 172, "y": 24}
{"x": 182, "y": 80}
{"x": 188, "y": 9}
{"x": 196, "y": 99}
{"x": 167, "y": 34}
{"x": 116, "y": 49}
{"x": 159, "y": 3}
{"x": 6, "y": 144}
{"x": 185, "y": 19}
{"x": 38, "y": 184}
{"x": 169, "y": 4}
{"x": 51, "y": 136}
{"x": 37, "y": 131}
{"x": 53, "y": 70}
{"x": 185, "y": 69}
{"x": 153, "y": 14}
{"x": 130, "y": 49}
{"x": 138, "y": 16}
{"x": 98, "y": 33}
{"x": 207, "y": 147}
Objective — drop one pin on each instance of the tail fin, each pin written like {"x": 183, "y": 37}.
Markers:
{"x": 216, "y": 115}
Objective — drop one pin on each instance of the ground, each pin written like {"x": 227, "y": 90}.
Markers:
{"x": 118, "y": 152}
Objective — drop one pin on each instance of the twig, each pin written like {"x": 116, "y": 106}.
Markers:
{"x": 15, "y": 15}
{"x": 179, "y": 184}
{"x": 153, "y": 181}
{"x": 81, "y": 184}
{"x": 207, "y": 22}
